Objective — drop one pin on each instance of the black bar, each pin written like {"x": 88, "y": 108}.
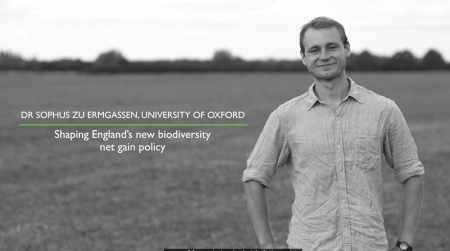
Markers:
{"x": 235, "y": 249}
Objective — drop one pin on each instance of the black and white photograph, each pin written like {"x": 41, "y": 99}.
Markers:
{"x": 224, "y": 125}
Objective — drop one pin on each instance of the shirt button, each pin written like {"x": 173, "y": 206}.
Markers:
{"x": 343, "y": 201}
{"x": 337, "y": 118}
{"x": 341, "y": 173}
{"x": 338, "y": 146}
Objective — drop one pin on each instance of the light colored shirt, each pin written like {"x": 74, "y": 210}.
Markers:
{"x": 334, "y": 160}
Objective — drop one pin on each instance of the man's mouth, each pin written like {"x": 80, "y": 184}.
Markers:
{"x": 322, "y": 65}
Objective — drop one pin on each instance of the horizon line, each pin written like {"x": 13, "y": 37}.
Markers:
{"x": 210, "y": 58}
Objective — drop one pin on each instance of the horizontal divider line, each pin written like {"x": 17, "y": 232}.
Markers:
{"x": 211, "y": 125}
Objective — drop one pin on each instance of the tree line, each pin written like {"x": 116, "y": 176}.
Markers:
{"x": 222, "y": 61}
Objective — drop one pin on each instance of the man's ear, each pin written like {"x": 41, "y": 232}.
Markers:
{"x": 347, "y": 50}
{"x": 303, "y": 57}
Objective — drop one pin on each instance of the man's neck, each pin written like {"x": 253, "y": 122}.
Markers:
{"x": 332, "y": 92}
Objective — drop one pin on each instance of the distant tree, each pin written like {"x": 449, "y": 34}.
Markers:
{"x": 366, "y": 62}
{"x": 10, "y": 60}
{"x": 402, "y": 61}
{"x": 61, "y": 65}
{"x": 433, "y": 61}
{"x": 224, "y": 56}
{"x": 350, "y": 62}
{"x": 110, "y": 58}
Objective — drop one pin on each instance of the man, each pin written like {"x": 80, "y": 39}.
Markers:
{"x": 332, "y": 139}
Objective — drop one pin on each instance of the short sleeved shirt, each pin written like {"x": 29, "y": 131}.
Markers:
{"x": 334, "y": 160}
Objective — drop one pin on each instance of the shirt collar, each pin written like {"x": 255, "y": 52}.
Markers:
{"x": 353, "y": 92}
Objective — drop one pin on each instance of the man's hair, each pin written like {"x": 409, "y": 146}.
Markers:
{"x": 321, "y": 23}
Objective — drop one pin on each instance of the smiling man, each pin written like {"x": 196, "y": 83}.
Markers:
{"x": 332, "y": 139}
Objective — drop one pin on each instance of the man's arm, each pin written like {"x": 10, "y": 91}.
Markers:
{"x": 411, "y": 205}
{"x": 401, "y": 154}
{"x": 257, "y": 206}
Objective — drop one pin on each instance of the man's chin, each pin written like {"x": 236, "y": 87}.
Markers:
{"x": 328, "y": 75}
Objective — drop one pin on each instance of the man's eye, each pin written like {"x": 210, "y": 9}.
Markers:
{"x": 313, "y": 51}
{"x": 333, "y": 47}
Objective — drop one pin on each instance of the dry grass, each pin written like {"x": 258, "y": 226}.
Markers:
{"x": 61, "y": 195}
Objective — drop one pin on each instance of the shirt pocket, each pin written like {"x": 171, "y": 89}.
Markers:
{"x": 367, "y": 152}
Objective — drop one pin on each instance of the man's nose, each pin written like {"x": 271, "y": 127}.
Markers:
{"x": 324, "y": 55}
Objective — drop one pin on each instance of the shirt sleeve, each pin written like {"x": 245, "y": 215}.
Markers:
{"x": 400, "y": 149}
{"x": 270, "y": 152}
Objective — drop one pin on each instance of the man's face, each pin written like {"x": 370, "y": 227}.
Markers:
{"x": 325, "y": 54}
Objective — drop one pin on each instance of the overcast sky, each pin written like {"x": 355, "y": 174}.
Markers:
{"x": 169, "y": 29}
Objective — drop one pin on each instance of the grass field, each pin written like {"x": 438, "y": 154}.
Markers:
{"x": 62, "y": 195}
